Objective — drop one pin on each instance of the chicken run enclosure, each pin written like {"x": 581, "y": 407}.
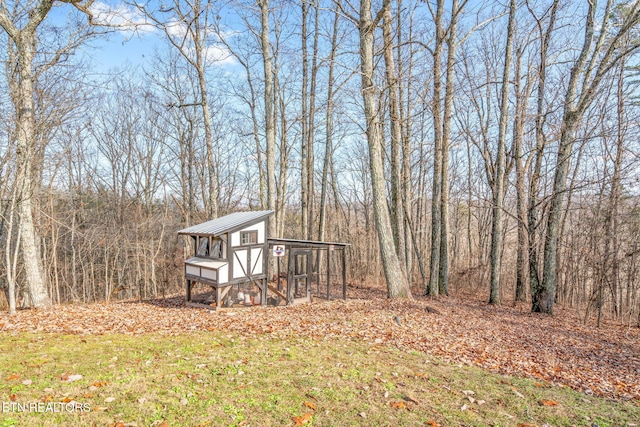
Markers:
{"x": 235, "y": 263}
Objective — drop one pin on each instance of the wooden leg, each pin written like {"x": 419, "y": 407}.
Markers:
{"x": 328, "y": 274}
{"x": 188, "y": 296}
{"x": 344, "y": 274}
{"x": 263, "y": 291}
{"x": 218, "y": 298}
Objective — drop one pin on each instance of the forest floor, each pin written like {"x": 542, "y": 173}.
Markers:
{"x": 554, "y": 350}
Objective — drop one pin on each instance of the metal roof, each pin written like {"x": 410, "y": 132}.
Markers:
{"x": 221, "y": 225}
{"x": 314, "y": 243}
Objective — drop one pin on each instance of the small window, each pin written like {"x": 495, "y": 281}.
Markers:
{"x": 248, "y": 237}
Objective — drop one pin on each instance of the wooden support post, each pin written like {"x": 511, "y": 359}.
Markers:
{"x": 290, "y": 278}
{"x": 188, "y": 290}
{"x": 218, "y": 298}
{"x": 263, "y": 291}
{"x": 344, "y": 273}
{"x": 309, "y": 278}
{"x": 279, "y": 282}
{"x": 328, "y": 272}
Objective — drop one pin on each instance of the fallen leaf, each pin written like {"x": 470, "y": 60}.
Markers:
{"x": 398, "y": 405}
{"x": 432, "y": 423}
{"x": 98, "y": 384}
{"x": 310, "y": 405}
{"x": 27, "y": 382}
{"x": 47, "y": 398}
{"x": 109, "y": 399}
{"x": 13, "y": 398}
{"x": 464, "y": 407}
{"x": 362, "y": 414}
{"x": 302, "y": 419}
{"x": 67, "y": 399}
{"x": 517, "y": 393}
{"x": 468, "y": 392}
{"x": 13, "y": 377}
{"x": 410, "y": 398}
{"x": 548, "y": 403}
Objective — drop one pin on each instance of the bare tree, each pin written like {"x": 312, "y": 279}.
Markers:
{"x": 186, "y": 26}
{"x": 23, "y": 69}
{"x": 500, "y": 166}
{"x": 597, "y": 57}
{"x": 397, "y": 284}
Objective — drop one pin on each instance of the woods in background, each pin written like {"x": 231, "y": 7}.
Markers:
{"x": 460, "y": 146}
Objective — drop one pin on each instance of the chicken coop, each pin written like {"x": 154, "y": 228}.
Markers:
{"x": 233, "y": 255}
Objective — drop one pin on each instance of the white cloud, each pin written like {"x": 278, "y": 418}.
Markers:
{"x": 125, "y": 18}
{"x": 214, "y": 54}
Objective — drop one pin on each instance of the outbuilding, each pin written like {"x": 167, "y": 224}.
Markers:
{"x": 228, "y": 251}
{"x": 231, "y": 254}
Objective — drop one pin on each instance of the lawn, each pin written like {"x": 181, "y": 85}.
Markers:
{"x": 225, "y": 378}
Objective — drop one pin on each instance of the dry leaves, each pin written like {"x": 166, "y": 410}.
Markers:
{"x": 302, "y": 419}
{"x": 556, "y": 350}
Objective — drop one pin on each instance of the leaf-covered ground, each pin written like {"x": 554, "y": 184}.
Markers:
{"x": 556, "y": 350}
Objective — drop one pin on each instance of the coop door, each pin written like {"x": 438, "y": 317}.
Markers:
{"x": 248, "y": 262}
{"x": 300, "y": 273}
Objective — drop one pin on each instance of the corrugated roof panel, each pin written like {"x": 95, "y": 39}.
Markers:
{"x": 221, "y": 225}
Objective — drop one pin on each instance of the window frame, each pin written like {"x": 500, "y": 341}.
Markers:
{"x": 249, "y": 237}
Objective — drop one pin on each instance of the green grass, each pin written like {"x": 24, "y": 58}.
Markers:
{"x": 223, "y": 379}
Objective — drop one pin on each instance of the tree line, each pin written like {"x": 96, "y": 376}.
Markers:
{"x": 459, "y": 146}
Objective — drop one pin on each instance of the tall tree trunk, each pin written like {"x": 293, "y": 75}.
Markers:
{"x": 304, "y": 170}
{"x": 443, "y": 273}
{"x": 518, "y": 137}
{"x": 397, "y": 284}
{"x": 533, "y": 203}
{"x": 499, "y": 179}
{"x": 436, "y": 198}
{"x": 21, "y": 47}
{"x": 328, "y": 153}
{"x": 270, "y": 126}
{"x": 593, "y": 64}
{"x": 397, "y": 211}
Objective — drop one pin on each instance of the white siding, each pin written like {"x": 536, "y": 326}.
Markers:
{"x": 223, "y": 274}
{"x": 235, "y": 239}
{"x": 193, "y": 270}
{"x": 239, "y": 262}
{"x": 259, "y": 227}
{"x": 209, "y": 274}
{"x": 256, "y": 260}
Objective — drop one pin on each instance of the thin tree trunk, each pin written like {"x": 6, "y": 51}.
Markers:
{"x": 518, "y": 136}
{"x": 499, "y": 180}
